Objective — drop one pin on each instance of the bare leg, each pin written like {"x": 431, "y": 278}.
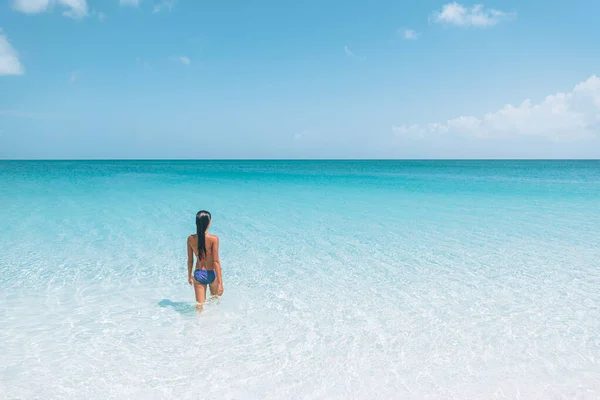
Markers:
{"x": 214, "y": 289}
{"x": 200, "y": 290}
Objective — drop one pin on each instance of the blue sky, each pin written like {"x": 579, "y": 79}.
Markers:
{"x": 311, "y": 79}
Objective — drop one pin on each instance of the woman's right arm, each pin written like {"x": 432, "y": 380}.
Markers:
{"x": 217, "y": 262}
{"x": 190, "y": 260}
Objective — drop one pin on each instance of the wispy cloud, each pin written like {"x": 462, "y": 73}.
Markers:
{"x": 9, "y": 58}
{"x": 562, "y": 116}
{"x": 195, "y": 40}
{"x": 101, "y": 16}
{"x": 76, "y": 9}
{"x": 31, "y": 6}
{"x": 300, "y": 135}
{"x": 349, "y": 53}
{"x": 74, "y": 76}
{"x": 40, "y": 115}
{"x": 133, "y": 3}
{"x": 476, "y": 16}
{"x": 163, "y": 5}
{"x": 143, "y": 63}
{"x": 409, "y": 34}
{"x": 181, "y": 59}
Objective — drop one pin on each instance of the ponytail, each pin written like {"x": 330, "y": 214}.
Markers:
{"x": 202, "y": 220}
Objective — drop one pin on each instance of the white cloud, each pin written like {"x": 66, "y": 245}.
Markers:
{"x": 476, "y": 16}
{"x": 562, "y": 116}
{"x": 409, "y": 34}
{"x": 101, "y": 16}
{"x": 181, "y": 59}
{"x": 167, "y": 5}
{"x": 349, "y": 53}
{"x": 31, "y": 6}
{"x": 134, "y": 3}
{"x": 76, "y": 9}
{"x": 9, "y": 58}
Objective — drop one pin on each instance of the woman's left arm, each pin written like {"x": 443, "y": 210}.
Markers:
{"x": 217, "y": 261}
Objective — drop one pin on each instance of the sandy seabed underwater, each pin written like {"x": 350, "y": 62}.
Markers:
{"x": 343, "y": 280}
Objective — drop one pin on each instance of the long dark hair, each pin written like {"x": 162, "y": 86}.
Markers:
{"x": 202, "y": 220}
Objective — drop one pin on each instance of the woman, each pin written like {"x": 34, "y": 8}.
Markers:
{"x": 208, "y": 266}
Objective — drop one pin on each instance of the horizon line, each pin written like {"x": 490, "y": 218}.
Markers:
{"x": 298, "y": 159}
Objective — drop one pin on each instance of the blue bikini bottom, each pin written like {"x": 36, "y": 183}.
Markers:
{"x": 205, "y": 276}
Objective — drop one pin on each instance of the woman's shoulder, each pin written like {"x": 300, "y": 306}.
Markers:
{"x": 191, "y": 238}
{"x": 211, "y": 237}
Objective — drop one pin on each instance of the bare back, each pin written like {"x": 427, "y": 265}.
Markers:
{"x": 208, "y": 261}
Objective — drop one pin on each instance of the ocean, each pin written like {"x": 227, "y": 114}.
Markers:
{"x": 343, "y": 280}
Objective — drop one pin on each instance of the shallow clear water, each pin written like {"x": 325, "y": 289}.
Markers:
{"x": 343, "y": 280}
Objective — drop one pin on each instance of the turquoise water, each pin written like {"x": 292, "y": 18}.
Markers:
{"x": 343, "y": 280}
